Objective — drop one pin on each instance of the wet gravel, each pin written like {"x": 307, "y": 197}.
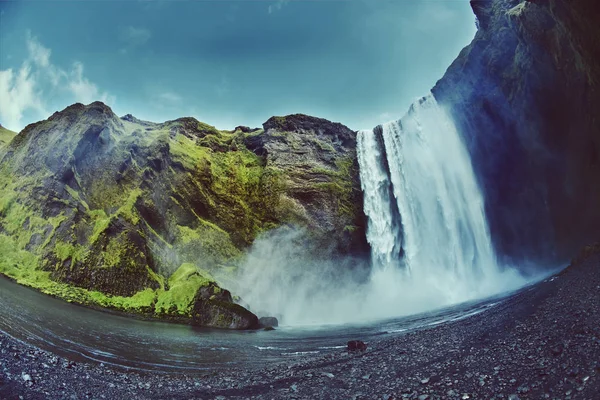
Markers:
{"x": 543, "y": 343}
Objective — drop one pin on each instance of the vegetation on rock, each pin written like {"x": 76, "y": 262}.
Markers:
{"x": 136, "y": 216}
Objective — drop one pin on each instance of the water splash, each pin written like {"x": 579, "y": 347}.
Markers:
{"x": 446, "y": 241}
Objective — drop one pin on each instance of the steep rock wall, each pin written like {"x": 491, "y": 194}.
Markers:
{"x": 525, "y": 94}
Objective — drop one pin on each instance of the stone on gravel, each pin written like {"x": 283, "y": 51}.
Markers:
{"x": 356, "y": 345}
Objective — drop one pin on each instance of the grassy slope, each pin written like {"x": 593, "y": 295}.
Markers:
{"x": 5, "y": 136}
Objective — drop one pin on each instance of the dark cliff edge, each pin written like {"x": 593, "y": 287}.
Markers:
{"x": 139, "y": 217}
{"x": 525, "y": 94}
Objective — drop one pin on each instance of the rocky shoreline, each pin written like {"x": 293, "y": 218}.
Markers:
{"x": 542, "y": 343}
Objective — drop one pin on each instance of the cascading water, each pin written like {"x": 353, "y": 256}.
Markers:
{"x": 445, "y": 242}
{"x": 429, "y": 238}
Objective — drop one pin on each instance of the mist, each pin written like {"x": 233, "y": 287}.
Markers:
{"x": 281, "y": 278}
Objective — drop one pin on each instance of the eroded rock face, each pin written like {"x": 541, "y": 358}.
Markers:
{"x": 317, "y": 161}
{"x": 525, "y": 95}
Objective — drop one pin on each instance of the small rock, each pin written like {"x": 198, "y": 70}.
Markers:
{"x": 294, "y": 388}
{"x": 425, "y": 381}
{"x": 26, "y": 377}
{"x": 557, "y": 350}
{"x": 327, "y": 374}
{"x": 523, "y": 389}
{"x": 357, "y": 345}
{"x": 423, "y": 397}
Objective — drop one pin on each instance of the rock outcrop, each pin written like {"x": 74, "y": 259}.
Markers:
{"x": 317, "y": 162}
{"x": 525, "y": 94}
{"x": 138, "y": 216}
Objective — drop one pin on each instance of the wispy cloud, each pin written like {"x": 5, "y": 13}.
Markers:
{"x": 169, "y": 97}
{"x": 82, "y": 89}
{"x": 136, "y": 36}
{"x": 133, "y": 37}
{"x": 277, "y": 5}
{"x": 30, "y": 88}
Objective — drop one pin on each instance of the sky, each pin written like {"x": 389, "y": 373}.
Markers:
{"x": 226, "y": 62}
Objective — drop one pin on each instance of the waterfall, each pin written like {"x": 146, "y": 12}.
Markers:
{"x": 430, "y": 244}
{"x": 425, "y": 210}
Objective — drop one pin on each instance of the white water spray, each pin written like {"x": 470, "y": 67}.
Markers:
{"x": 427, "y": 229}
{"x": 447, "y": 243}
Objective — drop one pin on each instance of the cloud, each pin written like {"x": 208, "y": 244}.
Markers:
{"x": 30, "y": 89}
{"x": 169, "y": 97}
{"x": 135, "y": 36}
{"x": 82, "y": 89}
{"x": 278, "y": 5}
{"x": 17, "y": 94}
{"x": 39, "y": 54}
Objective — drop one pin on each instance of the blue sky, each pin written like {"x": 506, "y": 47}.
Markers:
{"x": 227, "y": 63}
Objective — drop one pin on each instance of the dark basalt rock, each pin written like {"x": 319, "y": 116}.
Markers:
{"x": 303, "y": 123}
{"x": 525, "y": 95}
{"x": 222, "y": 314}
{"x": 245, "y": 129}
{"x": 356, "y": 345}
{"x": 483, "y": 11}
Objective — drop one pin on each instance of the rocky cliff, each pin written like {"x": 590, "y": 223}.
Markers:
{"x": 525, "y": 94}
{"x": 139, "y": 216}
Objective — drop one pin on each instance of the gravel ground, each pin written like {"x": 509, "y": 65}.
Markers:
{"x": 541, "y": 344}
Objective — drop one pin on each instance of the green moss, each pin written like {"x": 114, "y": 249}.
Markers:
{"x": 127, "y": 210}
{"x": 100, "y": 221}
{"x": 208, "y": 244}
{"x": 141, "y": 302}
{"x": 65, "y": 251}
{"x": 75, "y": 194}
{"x": 183, "y": 287}
{"x": 185, "y": 151}
{"x": 5, "y": 136}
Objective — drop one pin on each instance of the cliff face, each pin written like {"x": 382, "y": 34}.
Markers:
{"x": 137, "y": 216}
{"x": 525, "y": 94}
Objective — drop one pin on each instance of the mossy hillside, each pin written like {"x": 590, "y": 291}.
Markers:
{"x": 5, "y": 136}
{"x": 69, "y": 256}
{"x": 95, "y": 202}
{"x": 122, "y": 204}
